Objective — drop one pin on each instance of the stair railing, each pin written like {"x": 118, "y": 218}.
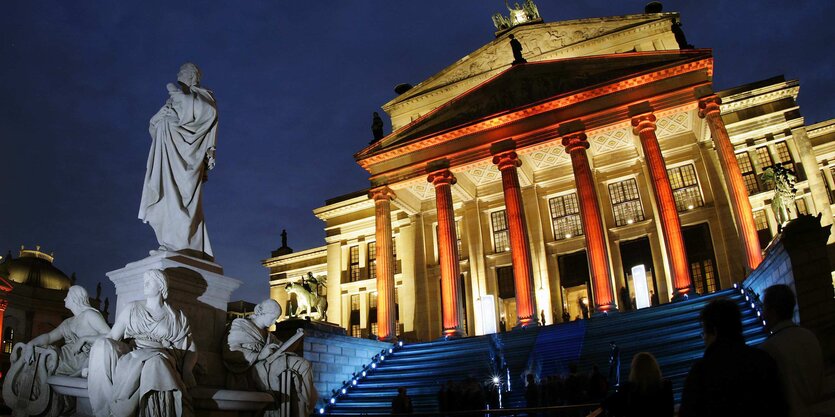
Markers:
{"x": 614, "y": 366}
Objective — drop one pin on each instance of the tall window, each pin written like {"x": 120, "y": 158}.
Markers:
{"x": 457, "y": 237}
{"x": 565, "y": 216}
{"x": 685, "y": 187}
{"x": 372, "y": 312}
{"x": 828, "y": 187}
{"x": 372, "y": 260}
{"x": 356, "y": 331}
{"x": 501, "y": 237}
{"x": 8, "y": 340}
{"x": 748, "y": 174}
{"x": 394, "y": 255}
{"x": 354, "y": 263}
{"x": 764, "y": 157}
{"x": 504, "y": 276}
{"x": 396, "y": 312}
{"x": 626, "y": 202}
{"x": 784, "y": 157}
{"x": 763, "y": 232}
{"x": 703, "y": 276}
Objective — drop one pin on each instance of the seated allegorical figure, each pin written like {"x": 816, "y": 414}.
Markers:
{"x": 257, "y": 360}
{"x": 153, "y": 378}
{"x": 77, "y": 333}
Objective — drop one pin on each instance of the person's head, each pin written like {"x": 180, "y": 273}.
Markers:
{"x": 645, "y": 374}
{"x": 155, "y": 284}
{"x": 721, "y": 320}
{"x": 401, "y": 390}
{"x": 266, "y": 313}
{"x": 531, "y": 379}
{"x": 189, "y": 74}
{"x": 778, "y": 304}
{"x": 76, "y": 298}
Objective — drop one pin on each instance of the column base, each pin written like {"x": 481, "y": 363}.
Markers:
{"x": 684, "y": 294}
{"x": 456, "y": 333}
{"x": 527, "y": 322}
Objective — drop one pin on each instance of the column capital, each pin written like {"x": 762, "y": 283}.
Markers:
{"x": 575, "y": 142}
{"x": 381, "y": 193}
{"x": 643, "y": 123}
{"x": 441, "y": 177}
{"x": 709, "y": 105}
{"x": 3, "y": 305}
{"x": 506, "y": 160}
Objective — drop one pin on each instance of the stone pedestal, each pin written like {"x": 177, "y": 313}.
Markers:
{"x": 196, "y": 286}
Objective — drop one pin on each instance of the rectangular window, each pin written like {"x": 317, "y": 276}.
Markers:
{"x": 458, "y": 242}
{"x": 8, "y": 340}
{"x": 763, "y": 232}
{"x": 372, "y": 260}
{"x": 372, "y": 312}
{"x": 800, "y": 205}
{"x": 703, "y": 276}
{"x": 354, "y": 263}
{"x": 396, "y": 312}
{"x": 565, "y": 216}
{"x": 748, "y": 174}
{"x": 507, "y": 288}
{"x": 828, "y": 187}
{"x": 626, "y": 202}
{"x": 685, "y": 187}
{"x": 356, "y": 331}
{"x": 501, "y": 237}
{"x": 784, "y": 157}
{"x": 764, "y": 157}
{"x": 394, "y": 255}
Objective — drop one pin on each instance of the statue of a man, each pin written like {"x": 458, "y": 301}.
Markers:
{"x": 183, "y": 142}
{"x": 257, "y": 360}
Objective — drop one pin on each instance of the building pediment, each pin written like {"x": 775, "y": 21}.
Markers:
{"x": 540, "y": 42}
{"x": 526, "y": 85}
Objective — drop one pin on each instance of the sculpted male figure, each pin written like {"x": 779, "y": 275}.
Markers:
{"x": 257, "y": 360}
{"x": 152, "y": 379}
{"x": 183, "y": 142}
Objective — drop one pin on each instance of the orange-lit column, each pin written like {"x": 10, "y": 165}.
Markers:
{"x": 3, "y": 305}
{"x": 598, "y": 254}
{"x": 382, "y": 197}
{"x": 451, "y": 309}
{"x": 670, "y": 225}
{"x": 709, "y": 110}
{"x": 507, "y": 161}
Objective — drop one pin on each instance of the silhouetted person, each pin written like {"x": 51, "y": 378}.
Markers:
{"x": 653, "y": 298}
{"x": 679, "y": 34}
{"x": 377, "y": 127}
{"x": 516, "y": 47}
{"x": 531, "y": 392}
{"x": 614, "y": 365}
{"x": 795, "y": 349}
{"x": 583, "y": 308}
{"x": 401, "y": 404}
{"x": 731, "y": 379}
{"x": 542, "y": 316}
{"x": 598, "y": 386}
{"x": 566, "y": 316}
{"x": 574, "y": 386}
{"x": 646, "y": 394}
{"x": 443, "y": 397}
{"x": 624, "y": 299}
{"x": 502, "y": 325}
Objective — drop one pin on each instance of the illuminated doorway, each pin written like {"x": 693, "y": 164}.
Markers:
{"x": 634, "y": 253}
{"x": 577, "y": 301}
{"x": 507, "y": 295}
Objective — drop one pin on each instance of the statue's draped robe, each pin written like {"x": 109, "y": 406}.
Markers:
{"x": 240, "y": 355}
{"x": 171, "y": 195}
{"x": 145, "y": 381}
{"x": 71, "y": 361}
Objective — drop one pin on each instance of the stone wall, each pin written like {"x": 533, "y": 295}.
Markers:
{"x": 336, "y": 357}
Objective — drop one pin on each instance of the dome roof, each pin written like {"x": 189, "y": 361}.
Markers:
{"x": 34, "y": 268}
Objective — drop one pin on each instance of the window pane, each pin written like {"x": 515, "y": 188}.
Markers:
{"x": 501, "y": 239}
{"x": 354, "y": 263}
{"x": 626, "y": 202}
{"x": 685, "y": 187}
{"x": 372, "y": 260}
{"x": 565, "y": 216}
{"x": 748, "y": 174}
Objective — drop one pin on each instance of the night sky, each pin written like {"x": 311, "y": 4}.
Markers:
{"x": 296, "y": 83}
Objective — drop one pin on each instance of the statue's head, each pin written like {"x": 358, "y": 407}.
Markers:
{"x": 77, "y": 296}
{"x": 155, "y": 283}
{"x": 266, "y": 313}
{"x": 189, "y": 74}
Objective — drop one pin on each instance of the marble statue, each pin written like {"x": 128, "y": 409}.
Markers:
{"x": 183, "y": 142}
{"x": 153, "y": 378}
{"x": 308, "y": 297}
{"x": 34, "y": 361}
{"x": 784, "y": 192}
{"x": 257, "y": 360}
{"x": 517, "y": 15}
{"x": 377, "y": 126}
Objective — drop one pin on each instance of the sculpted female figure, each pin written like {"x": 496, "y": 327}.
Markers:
{"x": 77, "y": 332}
{"x": 183, "y": 142}
{"x": 152, "y": 379}
{"x": 257, "y": 360}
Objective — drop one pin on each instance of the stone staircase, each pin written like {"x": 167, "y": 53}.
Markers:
{"x": 671, "y": 332}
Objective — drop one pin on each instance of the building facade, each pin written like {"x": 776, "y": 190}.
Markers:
{"x": 603, "y": 174}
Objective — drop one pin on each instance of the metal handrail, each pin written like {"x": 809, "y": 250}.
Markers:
{"x": 560, "y": 410}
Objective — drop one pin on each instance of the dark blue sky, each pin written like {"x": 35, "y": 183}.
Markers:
{"x": 296, "y": 83}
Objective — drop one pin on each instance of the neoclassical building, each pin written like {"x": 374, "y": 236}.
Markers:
{"x": 605, "y": 173}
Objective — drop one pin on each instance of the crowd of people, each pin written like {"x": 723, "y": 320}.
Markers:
{"x": 782, "y": 377}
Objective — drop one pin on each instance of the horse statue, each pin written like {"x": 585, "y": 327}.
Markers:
{"x": 308, "y": 298}
{"x": 784, "y": 192}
